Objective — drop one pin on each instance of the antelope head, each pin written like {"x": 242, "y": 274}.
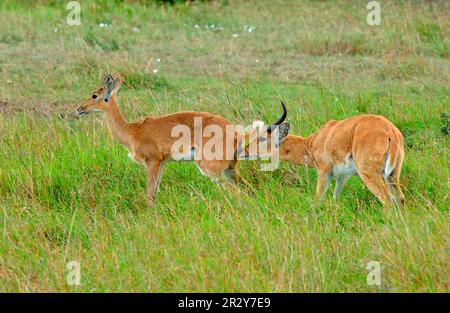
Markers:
{"x": 265, "y": 139}
{"x": 99, "y": 101}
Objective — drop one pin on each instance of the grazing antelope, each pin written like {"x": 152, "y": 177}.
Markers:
{"x": 262, "y": 141}
{"x": 369, "y": 146}
{"x": 152, "y": 141}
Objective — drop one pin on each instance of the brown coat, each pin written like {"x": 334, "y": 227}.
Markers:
{"x": 150, "y": 141}
{"x": 369, "y": 146}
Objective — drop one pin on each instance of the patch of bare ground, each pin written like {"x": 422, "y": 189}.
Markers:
{"x": 5, "y": 107}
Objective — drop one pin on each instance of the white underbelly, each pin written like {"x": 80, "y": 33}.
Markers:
{"x": 184, "y": 156}
{"x": 345, "y": 169}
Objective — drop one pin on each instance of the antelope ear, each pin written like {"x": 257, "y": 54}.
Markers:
{"x": 283, "y": 130}
{"x": 108, "y": 85}
{"x": 117, "y": 81}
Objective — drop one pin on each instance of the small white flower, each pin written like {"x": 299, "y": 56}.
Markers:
{"x": 196, "y": 26}
{"x": 56, "y": 30}
{"x": 158, "y": 60}
{"x": 249, "y": 28}
{"x": 257, "y": 60}
{"x": 155, "y": 71}
{"x": 136, "y": 30}
{"x": 103, "y": 25}
{"x": 235, "y": 35}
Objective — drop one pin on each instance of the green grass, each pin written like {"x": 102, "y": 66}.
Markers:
{"x": 69, "y": 192}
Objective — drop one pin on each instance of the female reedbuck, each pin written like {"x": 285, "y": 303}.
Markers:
{"x": 366, "y": 145}
{"x": 154, "y": 140}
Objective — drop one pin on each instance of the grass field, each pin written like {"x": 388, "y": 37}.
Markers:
{"x": 69, "y": 192}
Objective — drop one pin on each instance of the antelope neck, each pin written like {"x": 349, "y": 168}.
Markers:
{"x": 118, "y": 126}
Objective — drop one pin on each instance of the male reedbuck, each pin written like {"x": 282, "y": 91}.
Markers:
{"x": 366, "y": 145}
{"x": 152, "y": 141}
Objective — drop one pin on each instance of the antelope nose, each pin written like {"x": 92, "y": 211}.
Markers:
{"x": 81, "y": 111}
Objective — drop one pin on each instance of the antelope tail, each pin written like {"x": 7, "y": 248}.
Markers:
{"x": 387, "y": 170}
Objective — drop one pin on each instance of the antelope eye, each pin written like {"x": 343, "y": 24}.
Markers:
{"x": 94, "y": 97}
{"x": 262, "y": 139}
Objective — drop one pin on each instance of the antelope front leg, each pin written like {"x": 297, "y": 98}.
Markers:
{"x": 153, "y": 177}
{"x": 323, "y": 182}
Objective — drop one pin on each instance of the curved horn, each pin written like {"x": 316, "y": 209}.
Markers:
{"x": 281, "y": 120}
